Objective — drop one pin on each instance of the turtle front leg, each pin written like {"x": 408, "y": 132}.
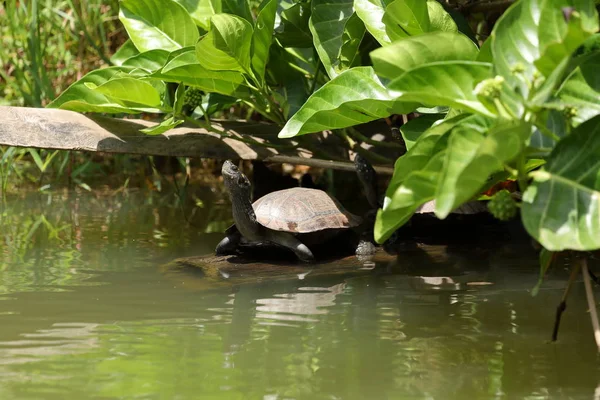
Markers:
{"x": 366, "y": 245}
{"x": 288, "y": 240}
{"x": 229, "y": 244}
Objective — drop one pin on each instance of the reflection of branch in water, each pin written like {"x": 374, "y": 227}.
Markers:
{"x": 563, "y": 304}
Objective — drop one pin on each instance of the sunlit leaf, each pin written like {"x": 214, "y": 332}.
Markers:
{"x": 472, "y": 157}
{"x": 126, "y": 51}
{"x": 185, "y": 67}
{"x": 227, "y": 46}
{"x": 439, "y": 19}
{"x": 156, "y": 24}
{"x": 201, "y": 10}
{"x": 151, "y": 61}
{"x": 446, "y": 83}
{"x": 535, "y": 33}
{"x": 561, "y": 207}
{"x": 401, "y": 203}
{"x": 371, "y": 13}
{"x": 393, "y": 60}
{"x": 353, "y": 97}
{"x": 78, "y": 97}
{"x": 129, "y": 90}
{"x": 327, "y": 23}
{"x": 404, "y": 18}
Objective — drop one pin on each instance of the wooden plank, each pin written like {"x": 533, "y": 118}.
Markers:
{"x": 68, "y": 130}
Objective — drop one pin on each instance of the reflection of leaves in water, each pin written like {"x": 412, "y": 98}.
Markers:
{"x": 51, "y": 239}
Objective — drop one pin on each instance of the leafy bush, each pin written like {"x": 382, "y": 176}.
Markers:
{"x": 522, "y": 106}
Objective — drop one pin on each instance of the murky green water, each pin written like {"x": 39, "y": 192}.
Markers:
{"x": 87, "y": 313}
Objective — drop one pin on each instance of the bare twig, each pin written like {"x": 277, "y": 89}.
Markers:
{"x": 563, "y": 304}
{"x": 316, "y": 162}
{"x": 589, "y": 294}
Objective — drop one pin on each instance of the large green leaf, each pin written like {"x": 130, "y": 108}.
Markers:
{"x": 472, "y": 157}
{"x": 128, "y": 90}
{"x": 263, "y": 36}
{"x": 400, "y": 204}
{"x": 404, "y": 18}
{"x": 353, "y": 97}
{"x": 201, "y": 10}
{"x": 78, "y": 97}
{"x": 582, "y": 89}
{"x": 413, "y": 129}
{"x": 535, "y": 32}
{"x": 150, "y": 61}
{"x": 393, "y": 60}
{"x": 156, "y": 24}
{"x": 439, "y": 19}
{"x": 241, "y": 8}
{"x": 446, "y": 83}
{"x": 333, "y": 30}
{"x": 559, "y": 38}
{"x": 293, "y": 30}
{"x": 561, "y": 207}
{"x": 184, "y": 67}
{"x": 371, "y": 13}
{"x": 227, "y": 45}
{"x": 126, "y": 51}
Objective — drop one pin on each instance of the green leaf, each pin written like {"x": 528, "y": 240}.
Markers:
{"x": 472, "y": 157}
{"x": 393, "y": 60}
{"x": 156, "y": 24}
{"x": 485, "y": 52}
{"x": 263, "y": 36}
{"x": 582, "y": 89}
{"x": 184, "y": 67}
{"x": 150, "y": 61}
{"x": 403, "y": 200}
{"x": 179, "y": 99}
{"x": 241, "y": 8}
{"x": 78, "y": 97}
{"x": 353, "y": 97}
{"x": 559, "y": 38}
{"x": 161, "y": 128}
{"x": 413, "y": 129}
{"x": 227, "y": 46}
{"x": 371, "y": 13}
{"x": 126, "y": 51}
{"x": 130, "y": 90}
{"x": 439, "y": 19}
{"x": 201, "y": 10}
{"x": 446, "y": 83}
{"x": 328, "y": 24}
{"x": 404, "y": 18}
{"x": 293, "y": 30}
{"x": 534, "y": 33}
{"x": 561, "y": 207}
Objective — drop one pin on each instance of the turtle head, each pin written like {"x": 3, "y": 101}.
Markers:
{"x": 236, "y": 182}
{"x": 368, "y": 178}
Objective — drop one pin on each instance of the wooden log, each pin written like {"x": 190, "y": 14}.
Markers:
{"x": 68, "y": 130}
{"x": 213, "y": 272}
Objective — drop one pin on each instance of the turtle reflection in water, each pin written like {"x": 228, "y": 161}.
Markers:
{"x": 295, "y": 217}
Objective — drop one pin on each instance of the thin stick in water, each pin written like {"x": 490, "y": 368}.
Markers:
{"x": 589, "y": 294}
{"x": 563, "y": 304}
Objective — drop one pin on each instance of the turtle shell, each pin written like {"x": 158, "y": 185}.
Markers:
{"x": 302, "y": 210}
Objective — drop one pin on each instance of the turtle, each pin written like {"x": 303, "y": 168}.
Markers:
{"x": 291, "y": 218}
